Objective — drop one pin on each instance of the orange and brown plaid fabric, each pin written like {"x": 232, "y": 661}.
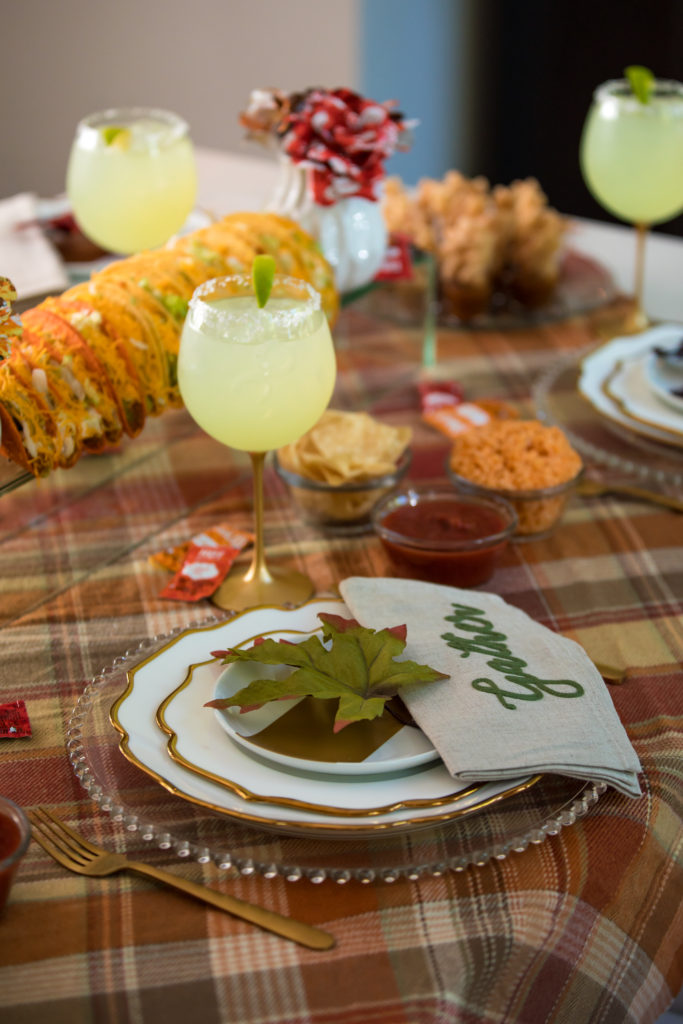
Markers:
{"x": 585, "y": 927}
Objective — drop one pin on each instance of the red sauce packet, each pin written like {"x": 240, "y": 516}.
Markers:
{"x": 222, "y": 535}
{"x": 398, "y": 262}
{"x": 14, "y": 721}
{"x": 444, "y": 407}
{"x": 202, "y": 573}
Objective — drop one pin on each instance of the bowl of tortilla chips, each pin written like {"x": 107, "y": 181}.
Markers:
{"x": 338, "y": 471}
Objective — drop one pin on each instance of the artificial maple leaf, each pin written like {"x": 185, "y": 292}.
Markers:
{"x": 358, "y": 668}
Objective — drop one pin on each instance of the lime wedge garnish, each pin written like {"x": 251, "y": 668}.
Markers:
{"x": 114, "y": 134}
{"x": 262, "y": 275}
{"x": 641, "y": 80}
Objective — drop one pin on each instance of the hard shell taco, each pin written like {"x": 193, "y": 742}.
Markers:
{"x": 28, "y": 432}
{"x": 112, "y": 353}
{"x": 132, "y": 323}
{"x": 165, "y": 327}
{"x": 75, "y": 376}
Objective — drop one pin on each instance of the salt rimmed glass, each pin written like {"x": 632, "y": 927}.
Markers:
{"x": 131, "y": 177}
{"x": 255, "y": 378}
{"x": 152, "y": 817}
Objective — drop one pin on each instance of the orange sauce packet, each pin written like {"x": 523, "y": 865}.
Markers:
{"x": 217, "y": 536}
{"x": 445, "y": 409}
{"x": 201, "y": 573}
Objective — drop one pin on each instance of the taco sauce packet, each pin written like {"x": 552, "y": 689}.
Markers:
{"x": 222, "y": 535}
{"x": 14, "y": 721}
{"x": 201, "y": 573}
{"x": 444, "y": 407}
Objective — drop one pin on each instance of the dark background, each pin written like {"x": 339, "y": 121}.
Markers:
{"x": 537, "y": 65}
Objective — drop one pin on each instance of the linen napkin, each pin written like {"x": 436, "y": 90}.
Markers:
{"x": 519, "y": 698}
{"x": 27, "y": 258}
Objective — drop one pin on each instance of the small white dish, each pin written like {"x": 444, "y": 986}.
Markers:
{"x": 263, "y": 731}
{"x": 630, "y": 388}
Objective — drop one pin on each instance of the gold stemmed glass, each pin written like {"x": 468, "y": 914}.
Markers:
{"x": 255, "y": 379}
{"x": 631, "y": 155}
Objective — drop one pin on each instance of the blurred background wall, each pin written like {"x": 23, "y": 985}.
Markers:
{"x": 64, "y": 59}
{"x": 500, "y": 87}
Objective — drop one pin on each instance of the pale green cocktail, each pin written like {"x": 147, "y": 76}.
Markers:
{"x": 632, "y": 152}
{"x": 131, "y": 178}
{"x": 631, "y": 156}
{"x": 256, "y": 379}
{"x": 253, "y": 378}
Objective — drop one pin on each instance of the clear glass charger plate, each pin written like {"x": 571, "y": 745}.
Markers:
{"x": 152, "y": 816}
{"x": 557, "y": 401}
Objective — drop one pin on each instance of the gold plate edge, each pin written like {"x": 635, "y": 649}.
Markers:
{"x": 296, "y": 827}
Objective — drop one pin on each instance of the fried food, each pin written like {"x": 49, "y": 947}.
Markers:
{"x": 505, "y": 240}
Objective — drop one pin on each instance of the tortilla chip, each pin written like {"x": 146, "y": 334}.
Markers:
{"x": 346, "y": 447}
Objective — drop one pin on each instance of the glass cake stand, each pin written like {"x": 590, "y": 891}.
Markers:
{"x": 584, "y": 286}
{"x": 151, "y": 816}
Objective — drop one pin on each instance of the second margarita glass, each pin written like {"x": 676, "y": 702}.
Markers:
{"x": 131, "y": 177}
{"x": 632, "y": 157}
{"x": 256, "y": 379}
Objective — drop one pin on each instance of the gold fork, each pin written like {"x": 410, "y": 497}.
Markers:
{"x": 594, "y": 488}
{"x": 74, "y": 852}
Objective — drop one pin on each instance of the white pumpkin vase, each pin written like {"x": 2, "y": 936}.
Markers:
{"x": 351, "y": 232}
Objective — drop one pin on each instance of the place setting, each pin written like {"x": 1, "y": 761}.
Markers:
{"x": 280, "y": 790}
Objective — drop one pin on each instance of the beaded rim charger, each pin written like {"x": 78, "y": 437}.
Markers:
{"x": 152, "y": 817}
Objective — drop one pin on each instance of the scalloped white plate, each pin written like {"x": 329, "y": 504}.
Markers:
{"x": 407, "y": 748}
{"x": 596, "y": 382}
{"x": 233, "y": 782}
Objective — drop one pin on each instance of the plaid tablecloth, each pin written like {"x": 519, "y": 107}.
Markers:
{"x": 586, "y": 926}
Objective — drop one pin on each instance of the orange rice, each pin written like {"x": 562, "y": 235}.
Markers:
{"x": 515, "y": 455}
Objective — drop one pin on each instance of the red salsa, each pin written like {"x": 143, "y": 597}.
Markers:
{"x": 451, "y": 525}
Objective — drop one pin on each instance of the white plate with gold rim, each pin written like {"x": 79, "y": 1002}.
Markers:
{"x": 666, "y": 380}
{"x": 259, "y": 792}
{"x": 596, "y": 381}
{"x": 630, "y": 389}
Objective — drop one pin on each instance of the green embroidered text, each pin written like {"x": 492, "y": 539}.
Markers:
{"x": 484, "y": 639}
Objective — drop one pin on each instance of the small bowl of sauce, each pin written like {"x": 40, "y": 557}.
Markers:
{"x": 434, "y": 533}
{"x": 15, "y": 834}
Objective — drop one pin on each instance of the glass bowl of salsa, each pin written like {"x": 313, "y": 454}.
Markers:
{"x": 15, "y": 834}
{"x": 436, "y": 534}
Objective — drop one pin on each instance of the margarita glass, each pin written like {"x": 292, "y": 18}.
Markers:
{"x": 131, "y": 177}
{"x": 632, "y": 157}
{"x": 256, "y": 379}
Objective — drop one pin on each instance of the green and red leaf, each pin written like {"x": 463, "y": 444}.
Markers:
{"x": 358, "y": 666}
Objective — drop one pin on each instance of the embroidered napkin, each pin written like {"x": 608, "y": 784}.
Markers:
{"x": 519, "y": 699}
{"x": 30, "y": 261}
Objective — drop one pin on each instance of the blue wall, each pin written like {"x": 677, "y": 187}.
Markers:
{"x": 414, "y": 51}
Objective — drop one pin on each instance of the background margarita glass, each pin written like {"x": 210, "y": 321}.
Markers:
{"x": 255, "y": 379}
{"x": 131, "y": 177}
{"x": 631, "y": 153}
